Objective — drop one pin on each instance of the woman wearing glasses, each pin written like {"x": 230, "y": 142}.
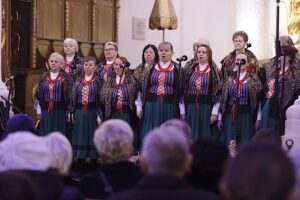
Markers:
{"x": 105, "y": 68}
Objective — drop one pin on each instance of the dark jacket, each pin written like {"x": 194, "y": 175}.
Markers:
{"x": 121, "y": 176}
{"x": 163, "y": 186}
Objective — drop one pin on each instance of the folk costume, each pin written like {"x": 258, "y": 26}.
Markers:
{"x": 85, "y": 101}
{"x": 201, "y": 97}
{"x": 118, "y": 96}
{"x": 228, "y": 64}
{"x": 290, "y": 93}
{"x": 74, "y": 68}
{"x": 162, "y": 96}
{"x": 52, "y": 94}
{"x": 105, "y": 70}
{"x": 238, "y": 109}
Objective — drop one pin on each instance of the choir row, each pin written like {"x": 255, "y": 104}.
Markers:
{"x": 76, "y": 95}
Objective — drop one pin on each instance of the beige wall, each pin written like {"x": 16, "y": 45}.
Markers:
{"x": 214, "y": 19}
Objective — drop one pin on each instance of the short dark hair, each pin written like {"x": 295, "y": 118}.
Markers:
{"x": 268, "y": 135}
{"x": 16, "y": 185}
{"x": 90, "y": 58}
{"x": 259, "y": 171}
{"x": 210, "y": 156}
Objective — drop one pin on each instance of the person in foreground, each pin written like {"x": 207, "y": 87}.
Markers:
{"x": 114, "y": 143}
{"x": 165, "y": 160}
{"x": 260, "y": 171}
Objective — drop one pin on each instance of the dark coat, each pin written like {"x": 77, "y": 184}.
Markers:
{"x": 121, "y": 176}
{"x": 163, "y": 186}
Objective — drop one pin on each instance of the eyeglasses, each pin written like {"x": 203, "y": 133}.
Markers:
{"x": 110, "y": 49}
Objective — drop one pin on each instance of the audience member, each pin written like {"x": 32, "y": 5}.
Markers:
{"x": 259, "y": 171}
{"x": 210, "y": 156}
{"x": 180, "y": 125}
{"x": 267, "y": 135}
{"x": 114, "y": 143}
{"x": 41, "y": 158}
{"x": 19, "y": 122}
{"x": 16, "y": 186}
{"x": 165, "y": 159}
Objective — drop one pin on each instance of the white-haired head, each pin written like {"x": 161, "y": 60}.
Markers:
{"x": 113, "y": 141}
{"x": 25, "y": 151}
{"x": 72, "y": 42}
{"x": 57, "y": 56}
{"x": 166, "y": 150}
{"x": 61, "y": 150}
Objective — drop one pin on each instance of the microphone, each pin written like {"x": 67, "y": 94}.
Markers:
{"x": 12, "y": 77}
{"x": 248, "y": 45}
{"x": 241, "y": 62}
{"x": 182, "y": 58}
{"x": 126, "y": 64}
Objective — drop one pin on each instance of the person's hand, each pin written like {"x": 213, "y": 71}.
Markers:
{"x": 139, "y": 114}
{"x": 213, "y": 118}
{"x": 257, "y": 124}
{"x": 220, "y": 124}
{"x": 232, "y": 148}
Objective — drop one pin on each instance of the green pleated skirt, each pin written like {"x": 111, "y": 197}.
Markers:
{"x": 241, "y": 131}
{"x": 53, "y": 121}
{"x": 155, "y": 114}
{"x": 83, "y": 133}
{"x": 199, "y": 120}
{"x": 267, "y": 121}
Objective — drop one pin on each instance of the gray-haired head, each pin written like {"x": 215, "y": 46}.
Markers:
{"x": 203, "y": 40}
{"x": 181, "y": 126}
{"x": 57, "y": 56}
{"x": 166, "y": 150}
{"x": 61, "y": 150}
{"x": 112, "y": 44}
{"x": 72, "y": 42}
{"x": 113, "y": 141}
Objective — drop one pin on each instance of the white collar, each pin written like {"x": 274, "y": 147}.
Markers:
{"x": 109, "y": 62}
{"x": 88, "y": 77}
{"x": 53, "y": 75}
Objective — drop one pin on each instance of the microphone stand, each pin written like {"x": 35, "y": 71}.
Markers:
{"x": 179, "y": 89}
{"x": 278, "y": 53}
{"x": 116, "y": 96}
{"x": 236, "y": 102}
{"x": 7, "y": 103}
{"x": 281, "y": 114}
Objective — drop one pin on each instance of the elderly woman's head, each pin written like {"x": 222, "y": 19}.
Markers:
{"x": 61, "y": 150}
{"x": 70, "y": 46}
{"x": 26, "y": 151}
{"x": 55, "y": 61}
{"x": 113, "y": 141}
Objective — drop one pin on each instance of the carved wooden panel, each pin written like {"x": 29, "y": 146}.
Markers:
{"x": 80, "y": 20}
{"x": 51, "y": 18}
{"x": 104, "y": 21}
